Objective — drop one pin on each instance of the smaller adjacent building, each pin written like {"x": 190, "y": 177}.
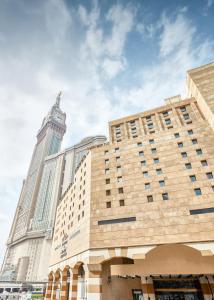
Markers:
{"x": 138, "y": 219}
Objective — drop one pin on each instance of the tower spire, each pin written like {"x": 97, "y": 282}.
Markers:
{"x": 58, "y": 98}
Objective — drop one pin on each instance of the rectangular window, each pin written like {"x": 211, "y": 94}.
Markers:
{"x": 106, "y": 171}
{"x": 150, "y": 198}
{"x": 154, "y": 150}
{"x": 118, "y": 168}
{"x": 186, "y": 116}
{"x": 162, "y": 183}
{"x": 119, "y": 179}
{"x": 188, "y": 166}
{"x": 148, "y": 118}
{"x": 118, "y": 158}
{"x": 204, "y": 163}
{"x": 183, "y": 109}
{"x": 209, "y": 175}
{"x": 139, "y": 144}
{"x": 176, "y": 135}
{"x": 190, "y": 132}
{"x": 151, "y": 141}
{"x": 180, "y": 145}
{"x": 197, "y": 191}
{"x": 159, "y": 171}
{"x": 120, "y": 190}
{"x": 150, "y": 125}
{"x": 122, "y": 202}
{"x": 108, "y": 204}
{"x": 199, "y": 151}
{"x": 106, "y": 161}
{"x": 165, "y": 113}
{"x": 145, "y": 174}
{"x": 192, "y": 178}
{"x": 107, "y": 180}
{"x": 167, "y": 121}
{"x": 194, "y": 141}
{"x": 156, "y": 160}
{"x": 141, "y": 153}
{"x": 108, "y": 192}
{"x": 147, "y": 185}
{"x": 184, "y": 154}
{"x": 117, "y": 149}
{"x": 143, "y": 163}
{"x": 106, "y": 152}
{"x": 165, "y": 196}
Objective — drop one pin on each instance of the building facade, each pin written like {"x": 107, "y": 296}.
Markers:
{"x": 49, "y": 175}
{"x": 137, "y": 222}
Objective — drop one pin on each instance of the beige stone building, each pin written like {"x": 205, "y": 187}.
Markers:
{"x": 138, "y": 221}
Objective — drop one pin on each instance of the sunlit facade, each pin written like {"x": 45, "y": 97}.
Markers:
{"x": 137, "y": 222}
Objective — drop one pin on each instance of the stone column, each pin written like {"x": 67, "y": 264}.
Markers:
{"x": 48, "y": 291}
{"x": 73, "y": 284}
{"x": 147, "y": 288}
{"x": 207, "y": 286}
{"x": 53, "y": 292}
{"x": 93, "y": 278}
{"x": 63, "y": 294}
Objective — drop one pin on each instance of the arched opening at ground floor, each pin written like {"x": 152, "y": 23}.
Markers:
{"x": 168, "y": 272}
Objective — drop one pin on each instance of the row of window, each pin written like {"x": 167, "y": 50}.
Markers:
{"x": 149, "y": 121}
{"x": 165, "y": 196}
{"x": 121, "y": 203}
{"x": 151, "y": 141}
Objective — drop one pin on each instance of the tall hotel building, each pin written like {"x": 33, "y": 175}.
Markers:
{"x": 138, "y": 220}
{"x": 50, "y": 173}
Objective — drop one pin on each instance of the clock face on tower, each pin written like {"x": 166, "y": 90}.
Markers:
{"x": 58, "y": 117}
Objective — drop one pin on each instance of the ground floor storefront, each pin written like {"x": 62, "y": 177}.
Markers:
{"x": 167, "y": 272}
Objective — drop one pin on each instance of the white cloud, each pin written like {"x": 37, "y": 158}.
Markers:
{"x": 56, "y": 47}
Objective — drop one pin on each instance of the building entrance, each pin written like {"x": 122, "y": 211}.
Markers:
{"x": 183, "y": 288}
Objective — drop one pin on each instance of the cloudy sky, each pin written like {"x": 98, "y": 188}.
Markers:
{"x": 110, "y": 59}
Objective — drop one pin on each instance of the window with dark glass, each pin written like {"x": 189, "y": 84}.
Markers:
{"x": 107, "y": 180}
{"x": 120, "y": 190}
{"x": 108, "y": 204}
{"x": 141, "y": 153}
{"x": 167, "y": 121}
{"x": 186, "y": 116}
{"x": 188, "y": 166}
{"x": 108, "y": 192}
{"x": 159, "y": 171}
{"x": 199, "y": 151}
{"x": 183, "y": 109}
{"x": 194, "y": 141}
{"x": 151, "y": 141}
{"x": 184, "y": 154}
{"x": 197, "y": 191}
{"x": 122, "y": 202}
{"x": 147, "y": 185}
{"x": 192, "y": 178}
{"x": 209, "y": 175}
{"x": 165, "y": 196}
{"x": 143, "y": 163}
{"x": 190, "y": 132}
{"x": 162, "y": 183}
{"x": 180, "y": 145}
{"x": 150, "y": 198}
{"x": 139, "y": 144}
{"x": 145, "y": 174}
{"x": 176, "y": 135}
{"x": 204, "y": 163}
{"x": 156, "y": 160}
{"x": 154, "y": 150}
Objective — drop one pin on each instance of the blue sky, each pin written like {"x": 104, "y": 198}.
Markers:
{"x": 110, "y": 59}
